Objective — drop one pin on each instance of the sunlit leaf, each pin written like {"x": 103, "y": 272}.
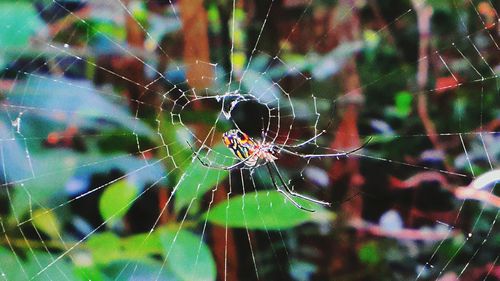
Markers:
{"x": 116, "y": 200}
{"x": 90, "y": 273}
{"x": 294, "y": 60}
{"x": 239, "y": 60}
{"x": 145, "y": 244}
{"x": 187, "y": 255}
{"x": 371, "y": 38}
{"x": 46, "y": 221}
{"x": 264, "y": 210}
{"x": 404, "y": 102}
{"x": 139, "y": 12}
{"x": 106, "y": 247}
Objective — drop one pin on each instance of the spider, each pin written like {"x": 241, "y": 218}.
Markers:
{"x": 251, "y": 152}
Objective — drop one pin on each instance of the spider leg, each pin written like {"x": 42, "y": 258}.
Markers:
{"x": 293, "y": 193}
{"x": 341, "y": 154}
{"x": 227, "y": 168}
{"x": 263, "y": 132}
{"x": 311, "y": 139}
{"x": 284, "y": 193}
{"x": 305, "y": 142}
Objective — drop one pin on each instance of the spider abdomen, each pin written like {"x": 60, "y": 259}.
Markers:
{"x": 246, "y": 149}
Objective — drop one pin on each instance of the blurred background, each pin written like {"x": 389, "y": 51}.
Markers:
{"x": 101, "y": 102}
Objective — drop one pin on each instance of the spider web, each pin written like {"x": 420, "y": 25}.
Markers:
{"x": 53, "y": 127}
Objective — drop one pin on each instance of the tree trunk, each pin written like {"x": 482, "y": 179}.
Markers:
{"x": 196, "y": 50}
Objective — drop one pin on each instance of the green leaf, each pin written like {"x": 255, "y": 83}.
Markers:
{"x": 139, "y": 270}
{"x": 451, "y": 246}
{"x": 90, "y": 273}
{"x": 380, "y": 138}
{"x": 173, "y": 135}
{"x": 445, "y": 5}
{"x": 199, "y": 179}
{"x": 139, "y": 12}
{"x": 187, "y": 255}
{"x": 106, "y": 247}
{"x": 369, "y": 253}
{"x": 145, "y": 244}
{"x": 46, "y": 221}
{"x": 48, "y": 186}
{"x": 264, "y": 210}
{"x": 18, "y": 21}
{"x": 371, "y": 38}
{"x": 10, "y": 267}
{"x": 13, "y": 267}
{"x": 116, "y": 200}
{"x": 62, "y": 269}
{"x": 106, "y": 28}
{"x": 91, "y": 109}
{"x": 459, "y": 108}
{"x": 403, "y": 101}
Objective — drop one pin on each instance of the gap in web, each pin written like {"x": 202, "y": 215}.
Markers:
{"x": 18, "y": 113}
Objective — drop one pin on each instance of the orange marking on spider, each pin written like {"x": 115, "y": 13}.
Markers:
{"x": 251, "y": 151}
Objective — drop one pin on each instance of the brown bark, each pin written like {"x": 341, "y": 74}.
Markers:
{"x": 227, "y": 264}
{"x": 347, "y": 136}
{"x": 133, "y": 68}
{"x": 424, "y": 13}
{"x": 346, "y": 172}
{"x": 196, "y": 50}
{"x": 163, "y": 196}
